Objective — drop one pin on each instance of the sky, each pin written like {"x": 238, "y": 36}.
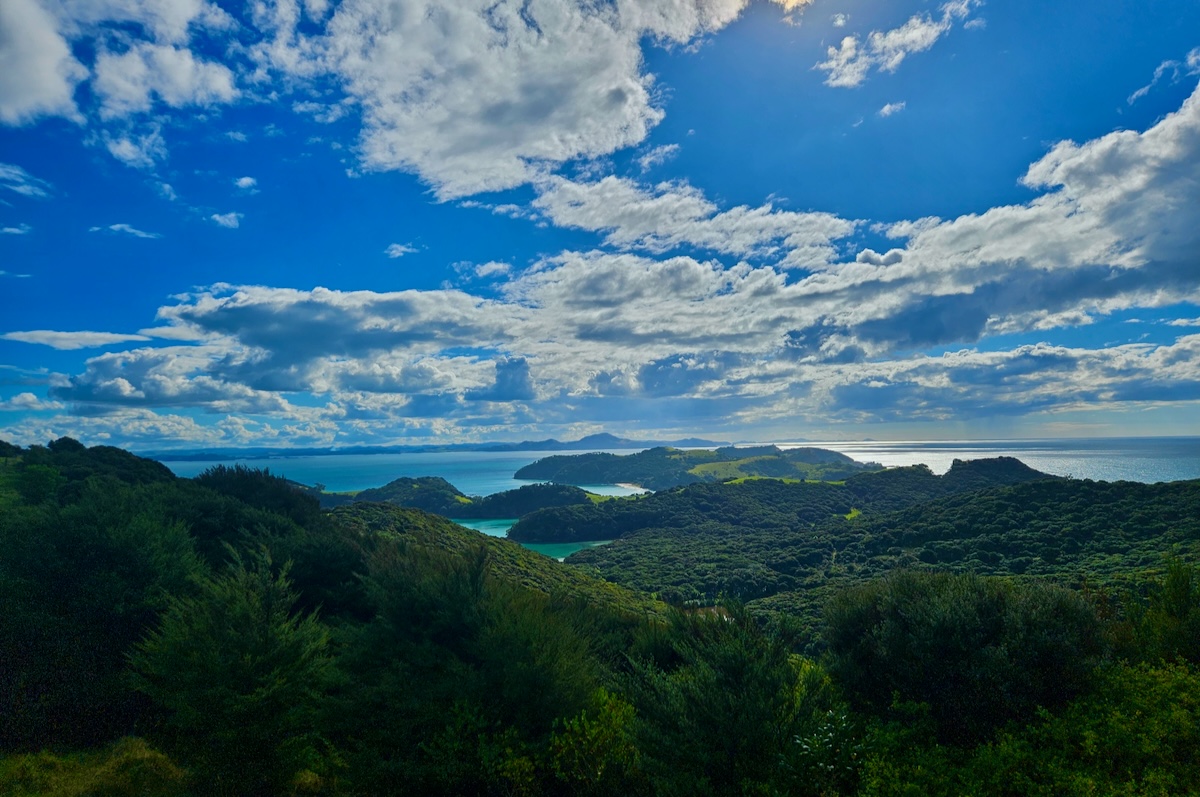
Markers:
{"x": 298, "y": 224}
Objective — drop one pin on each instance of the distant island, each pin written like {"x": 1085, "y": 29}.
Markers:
{"x": 663, "y": 467}
{"x": 593, "y": 442}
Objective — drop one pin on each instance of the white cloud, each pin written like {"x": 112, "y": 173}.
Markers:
{"x": 229, "y": 221}
{"x": 1190, "y": 65}
{"x": 71, "y": 340}
{"x": 892, "y": 108}
{"x": 137, "y": 150}
{"x": 492, "y": 269}
{"x": 28, "y": 402}
{"x": 128, "y": 83}
{"x": 245, "y": 183}
{"x": 476, "y": 96}
{"x": 23, "y": 229}
{"x": 127, "y": 230}
{"x": 793, "y": 5}
{"x": 16, "y": 276}
{"x": 14, "y": 178}
{"x": 672, "y": 215}
{"x": 840, "y": 20}
{"x": 657, "y": 156}
{"x": 38, "y": 73}
{"x": 400, "y": 250}
{"x": 850, "y": 62}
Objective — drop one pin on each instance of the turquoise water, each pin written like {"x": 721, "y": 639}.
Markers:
{"x": 555, "y": 550}
{"x": 472, "y": 472}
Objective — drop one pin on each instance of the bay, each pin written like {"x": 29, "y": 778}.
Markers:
{"x": 555, "y": 550}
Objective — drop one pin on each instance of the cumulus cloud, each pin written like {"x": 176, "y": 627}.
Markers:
{"x": 28, "y": 402}
{"x": 852, "y": 60}
{"x": 891, "y": 108}
{"x": 469, "y": 95}
{"x": 128, "y": 82}
{"x": 475, "y": 96}
{"x": 245, "y": 183}
{"x": 230, "y": 221}
{"x": 612, "y": 335}
{"x": 71, "y": 340}
{"x": 670, "y": 215}
{"x": 22, "y": 229}
{"x": 38, "y": 73}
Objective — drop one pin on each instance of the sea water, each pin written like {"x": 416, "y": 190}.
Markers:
{"x": 1138, "y": 459}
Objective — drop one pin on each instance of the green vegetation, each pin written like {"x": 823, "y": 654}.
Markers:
{"x": 226, "y": 636}
{"x": 663, "y": 468}
{"x": 435, "y": 494}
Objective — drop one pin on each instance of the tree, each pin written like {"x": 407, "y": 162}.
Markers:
{"x": 241, "y": 678}
{"x": 979, "y": 651}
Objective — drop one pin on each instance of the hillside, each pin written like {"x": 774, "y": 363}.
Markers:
{"x": 765, "y": 503}
{"x": 1069, "y": 531}
{"x": 259, "y": 645}
{"x": 435, "y": 494}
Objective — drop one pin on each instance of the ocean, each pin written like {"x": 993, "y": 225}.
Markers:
{"x": 1137, "y": 459}
{"x": 1144, "y": 459}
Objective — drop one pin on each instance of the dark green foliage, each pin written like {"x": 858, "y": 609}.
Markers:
{"x": 79, "y": 585}
{"x": 434, "y": 494}
{"x": 763, "y": 504}
{"x": 721, "y": 705}
{"x": 467, "y": 665}
{"x": 241, "y": 678}
{"x": 1168, "y": 628}
{"x": 980, "y": 652}
{"x": 759, "y": 504}
{"x": 258, "y": 488}
{"x": 1138, "y": 733}
{"x": 7, "y": 449}
{"x": 382, "y": 650}
{"x": 75, "y": 462}
{"x": 430, "y": 493}
{"x": 37, "y": 484}
{"x": 523, "y": 500}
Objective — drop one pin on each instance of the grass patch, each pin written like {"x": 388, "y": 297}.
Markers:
{"x": 130, "y": 767}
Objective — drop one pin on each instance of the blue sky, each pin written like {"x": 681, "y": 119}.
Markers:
{"x": 312, "y": 223}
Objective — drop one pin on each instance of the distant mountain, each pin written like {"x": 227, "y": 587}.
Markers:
{"x": 592, "y": 442}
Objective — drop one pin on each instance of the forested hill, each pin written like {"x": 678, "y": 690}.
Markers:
{"x": 435, "y": 494}
{"x": 223, "y": 635}
{"x": 759, "y": 504}
{"x": 1071, "y": 531}
{"x": 662, "y": 468}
